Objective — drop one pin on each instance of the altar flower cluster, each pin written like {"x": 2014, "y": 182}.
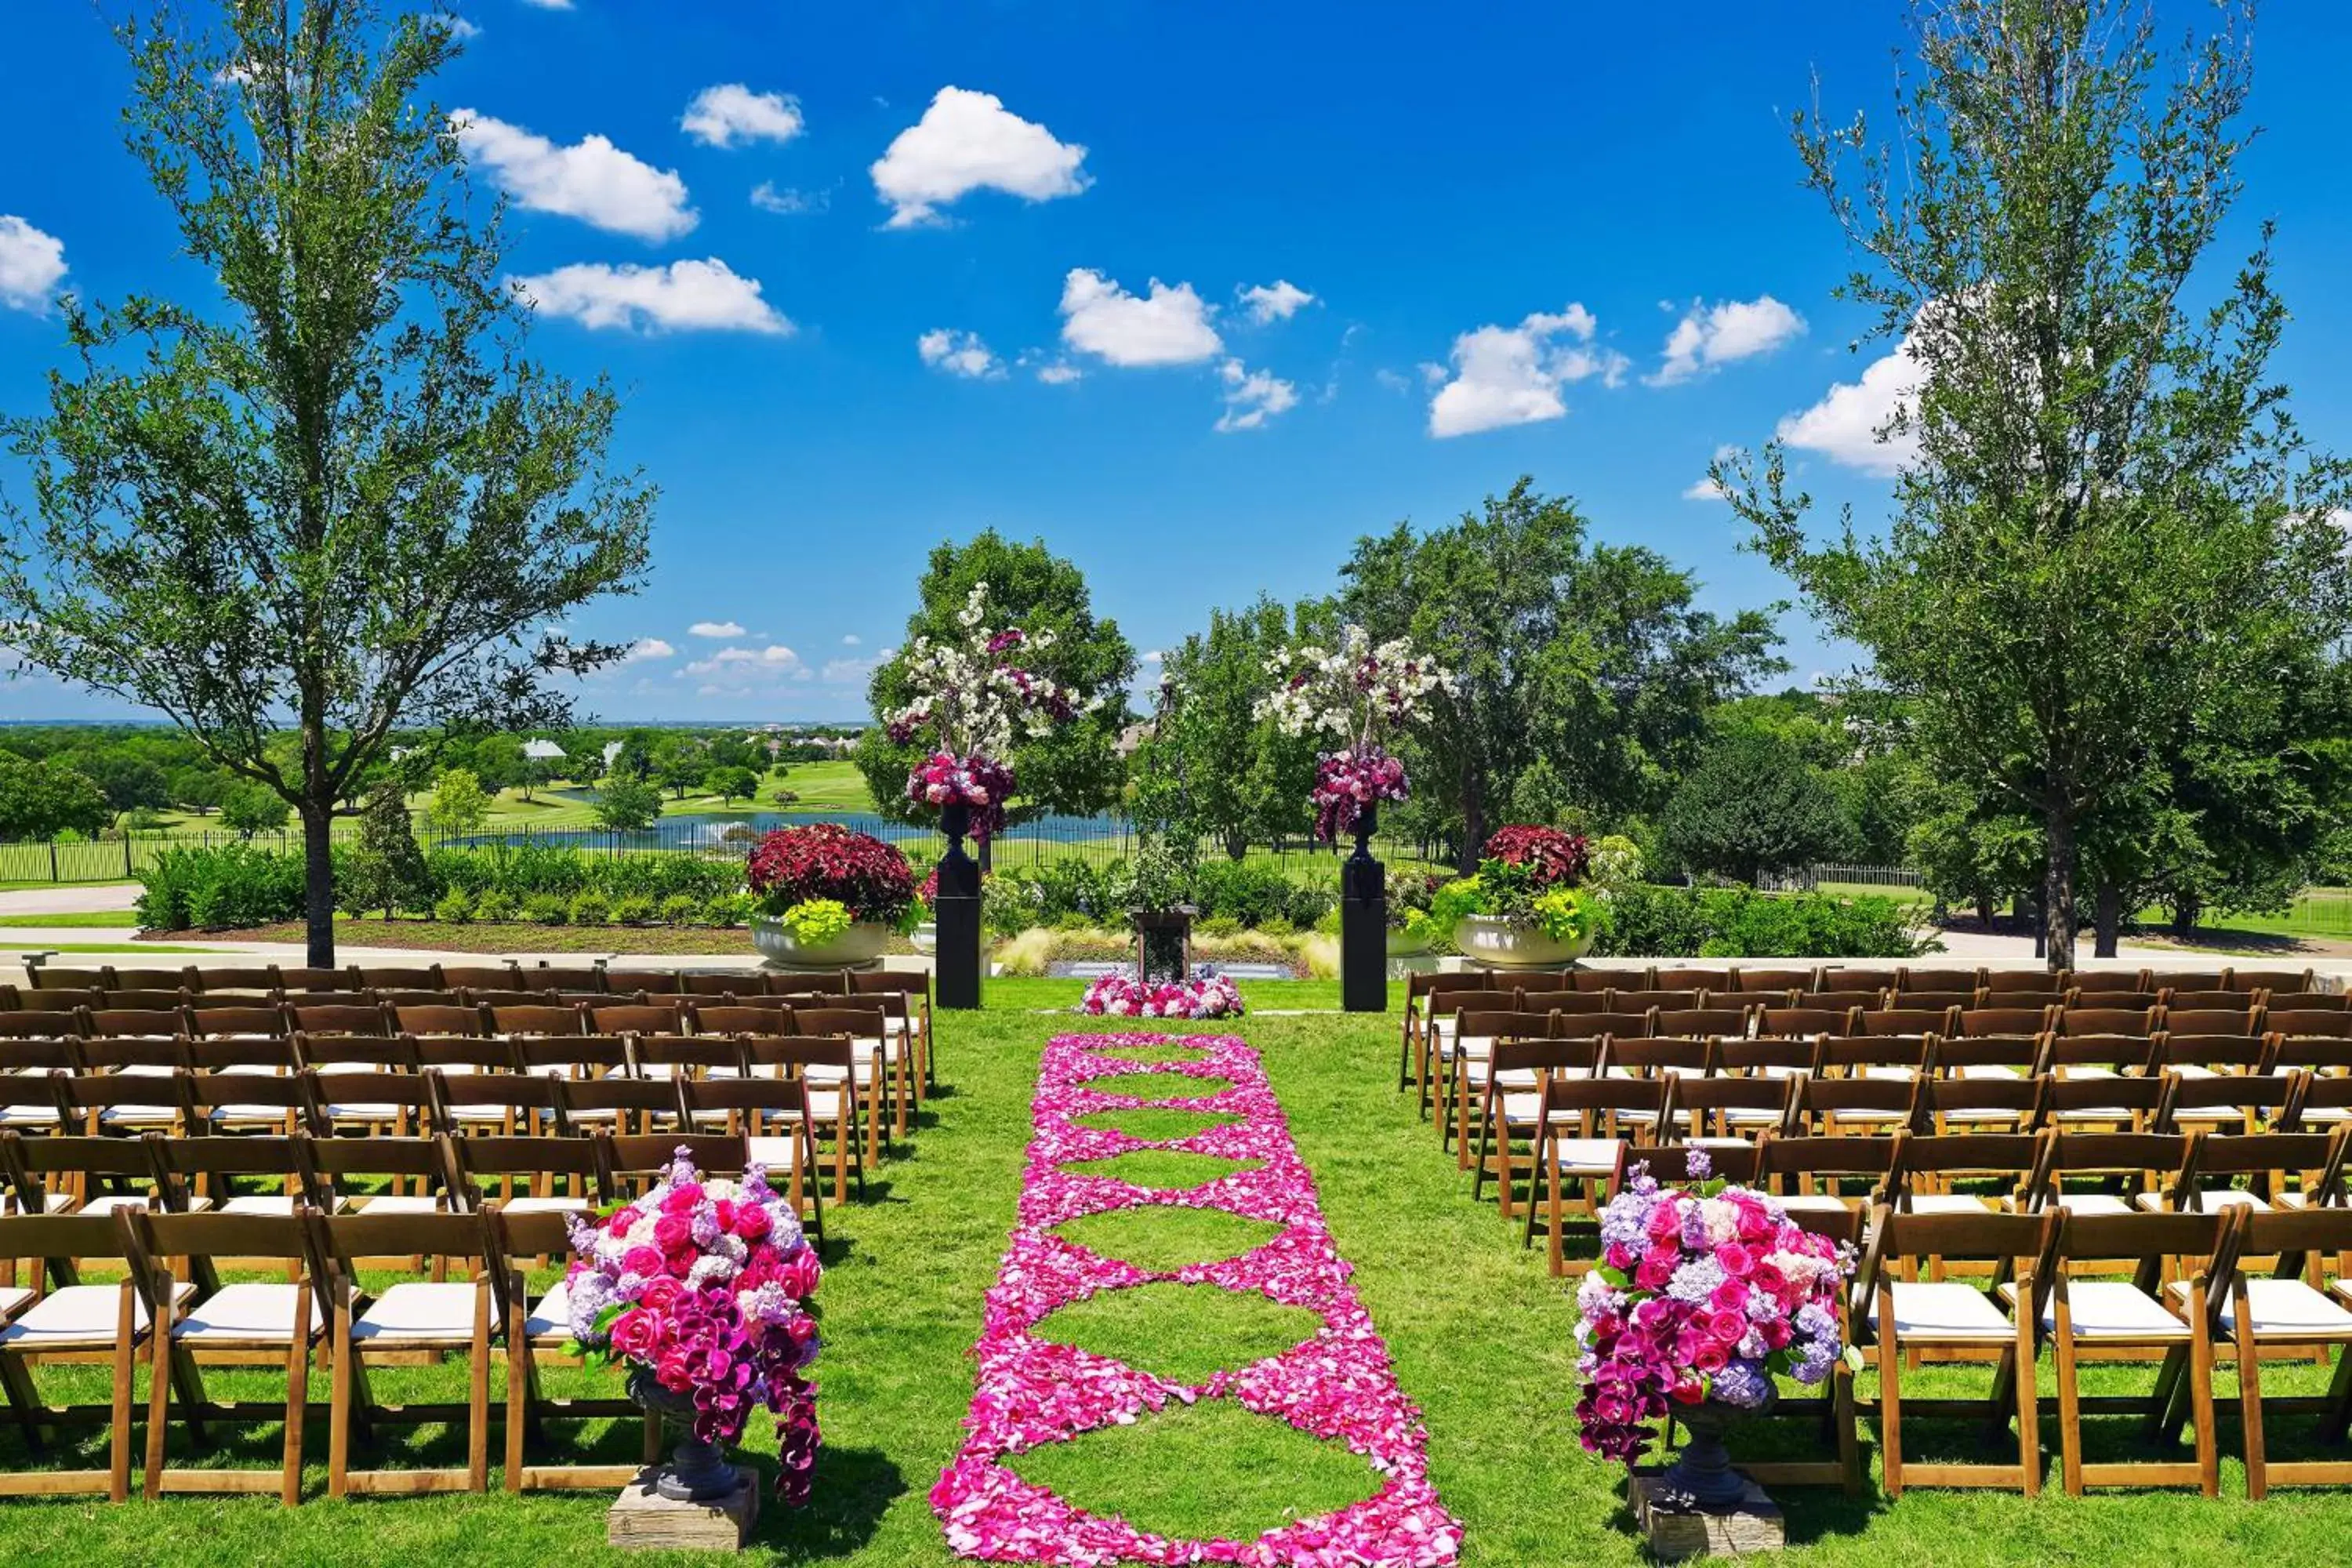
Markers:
{"x": 1706, "y": 1293}
{"x": 1346, "y": 782}
{"x": 977, "y": 699}
{"x": 704, "y": 1284}
{"x": 981, "y": 783}
{"x": 1355, "y": 693}
{"x": 1207, "y": 994}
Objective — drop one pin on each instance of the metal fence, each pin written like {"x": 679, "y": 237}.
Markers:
{"x": 1812, "y": 877}
{"x": 1098, "y": 839}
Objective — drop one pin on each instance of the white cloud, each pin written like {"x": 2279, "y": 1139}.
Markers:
{"x": 462, "y": 29}
{"x": 648, "y": 647}
{"x": 731, "y": 112}
{"x": 968, "y": 141}
{"x": 549, "y": 5}
{"x": 716, "y": 629}
{"x": 592, "y": 180}
{"x": 1154, "y": 656}
{"x": 789, "y": 202}
{"x": 1712, "y": 335}
{"x": 958, "y": 353}
{"x": 1390, "y": 380}
{"x": 1843, "y": 426}
{"x": 1163, "y": 326}
{"x": 739, "y": 668}
{"x": 1703, "y": 487}
{"x": 1512, "y": 375}
{"x": 849, "y": 671}
{"x": 685, "y": 296}
{"x": 32, "y": 264}
{"x": 1059, "y": 373}
{"x": 851, "y": 639}
{"x": 1275, "y": 301}
{"x": 1253, "y": 396}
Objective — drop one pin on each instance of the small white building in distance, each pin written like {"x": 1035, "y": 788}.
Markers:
{"x": 542, "y": 751}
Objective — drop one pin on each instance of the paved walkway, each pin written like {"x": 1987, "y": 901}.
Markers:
{"x": 69, "y": 898}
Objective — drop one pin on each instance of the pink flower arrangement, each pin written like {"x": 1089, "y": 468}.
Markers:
{"x": 1348, "y": 782}
{"x": 978, "y": 781}
{"x": 1122, "y": 996}
{"x": 1702, "y": 1293}
{"x": 704, "y": 1283}
{"x": 1337, "y": 1385}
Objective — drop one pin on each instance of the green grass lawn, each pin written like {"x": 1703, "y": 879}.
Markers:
{"x": 76, "y": 920}
{"x": 1481, "y": 1338}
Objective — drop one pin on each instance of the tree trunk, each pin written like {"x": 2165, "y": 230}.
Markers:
{"x": 2058, "y": 888}
{"x": 2184, "y": 918}
{"x": 2110, "y": 918}
{"x": 319, "y": 882}
{"x": 1236, "y": 844}
{"x": 1474, "y": 823}
{"x": 1985, "y": 911}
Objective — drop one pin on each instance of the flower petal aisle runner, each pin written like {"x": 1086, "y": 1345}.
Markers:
{"x": 1337, "y": 1385}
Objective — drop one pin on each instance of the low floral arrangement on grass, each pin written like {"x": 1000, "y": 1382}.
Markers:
{"x": 1338, "y": 1386}
{"x": 1119, "y": 994}
{"x": 1702, "y": 1292}
{"x": 976, "y": 701}
{"x": 1356, "y": 694}
{"x": 703, "y": 1285}
{"x": 1532, "y": 876}
{"x": 794, "y": 871}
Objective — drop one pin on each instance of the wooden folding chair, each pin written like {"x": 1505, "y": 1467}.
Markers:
{"x": 1933, "y": 1002}
{"x": 1717, "y": 1112}
{"x": 74, "y": 1321}
{"x": 2011, "y": 1018}
{"x": 1774, "y": 981}
{"x": 539, "y": 1020}
{"x": 1834, "y": 1409}
{"x": 1926, "y": 1169}
{"x": 1661, "y": 999}
{"x": 481, "y": 976}
{"x": 296, "y": 983}
{"x": 1909, "y": 1023}
{"x": 1443, "y": 1007}
{"x": 2281, "y": 1170}
{"x": 540, "y": 1331}
{"x": 536, "y": 1164}
{"x": 117, "y": 1103}
{"x": 1999, "y": 983}
{"x": 826, "y": 1065}
{"x": 245, "y": 1320}
{"x": 242, "y": 1083}
{"x": 1523, "y": 1053}
{"x": 623, "y": 1104}
{"x": 1476, "y": 1031}
{"x": 2114, "y": 1319}
{"x": 1907, "y": 1314}
{"x": 772, "y": 1114}
{"x": 500, "y": 1103}
{"x": 2229, "y": 1102}
{"x": 1687, "y": 978}
{"x": 666, "y": 1017}
{"x": 1579, "y": 1135}
{"x": 1805, "y": 1020}
{"x": 2123, "y": 1164}
{"x": 411, "y": 1317}
{"x": 1852, "y": 1107}
{"x": 913, "y": 989}
{"x": 550, "y": 977}
{"x": 1807, "y": 1175}
{"x": 363, "y": 1083}
{"x": 636, "y": 1160}
{"x": 136, "y": 1023}
{"x": 2250, "y": 1314}
{"x": 883, "y": 1088}
{"x": 84, "y": 1173}
{"x": 2108, "y": 1059}
{"x": 1714, "y": 1021}
{"x": 449, "y": 1019}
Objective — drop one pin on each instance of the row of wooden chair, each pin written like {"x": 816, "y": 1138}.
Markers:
{"x": 274, "y": 980}
{"x": 173, "y": 1308}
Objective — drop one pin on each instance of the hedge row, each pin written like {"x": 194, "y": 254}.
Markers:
{"x": 1648, "y": 921}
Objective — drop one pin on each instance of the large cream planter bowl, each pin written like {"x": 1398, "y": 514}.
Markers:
{"x": 1493, "y": 940}
{"x": 861, "y": 944}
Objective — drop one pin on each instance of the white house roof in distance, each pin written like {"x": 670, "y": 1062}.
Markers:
{"x": 541, "y": 750}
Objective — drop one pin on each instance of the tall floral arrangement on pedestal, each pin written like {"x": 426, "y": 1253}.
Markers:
{"x": 1702, "y": 1293}
{"x": 975, "y": 699}
{"x": 1356, "y": 694}
{"x": 702, "y": 1287}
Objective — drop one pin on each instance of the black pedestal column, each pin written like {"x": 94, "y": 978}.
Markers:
{"x": 1363, "y": 925}
{"x": 956, "y": 915}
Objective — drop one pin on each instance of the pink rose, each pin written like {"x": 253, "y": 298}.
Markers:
{"x": 751, "y": 1222}
{"x": 673, "y": 1231}
{"x": 642, "y": 1260}
{"x": 684, "y": 1199}
{"x": 1714, "y": 1358}
{"x": 800, "y": 1274}
{"x": 658, "y": 1296}
{"x": 1730, "y": 1296}
{"x": 671, "y": 1372}
{"x": 1735, "y": 1259}
{"x": 1665, "y": 1222}
{"x": 1729, "y": 1328}
{"x": 632, "y": 1333}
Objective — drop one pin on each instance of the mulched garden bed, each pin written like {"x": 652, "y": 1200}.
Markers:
{"x": 440, "y": 936}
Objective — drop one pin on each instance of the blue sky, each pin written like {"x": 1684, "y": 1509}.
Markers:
{"x": 938, "y": 313}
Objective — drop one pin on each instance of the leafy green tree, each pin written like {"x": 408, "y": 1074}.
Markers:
{"x": 42, "y": 799}
{"x": 248, "y": 808}
{"x": 199, "y": 789}
{"x": 1076, "y": 767}
{"x": 386, "y": 870}
{"x": 731, "y": 784}
{"x": 2105, "y": 516}
{"x": 1753, "y": 804}
{"x": 1589, "y": 656}
{"x": 678, "y": 762}
{"x": 497, "y": 761}
{"x": 459, "y": 806}
{"x": 1245, "y": 778}
{"x": 334, "y": 493}
{"x": 625, "y": 805}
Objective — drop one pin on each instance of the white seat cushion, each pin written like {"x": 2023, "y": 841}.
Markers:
{"x": 366, "y": 1110}
{"x": 418, "y": 1309}
{"x": 109, "y": 1202}
{"x": 250, "y": 1311}
{"x": 1945, "y": 1309}
{"x": 2213, "y": 1201}
{"x": 2114, "y": 1309}
{"x": 557, "y": 1205}
{"x": 13, "y": 1299}
{"x": 249, "y": 1113}
{"x": 1591, "y": 1154}
{"x": 1522, "y": 1108}
{"x": 2091, "y": 1203}
{"x": 404, "y": 1203}
{"x": 1947, "y": 1203}
{"x": 29, "y": 1116}
{"x": 1811, "y": 1202}
{"x": 79, "y": 1312}
{"x": 55, "y": 1201}
{"x": 551, "y": 1318}
{"x": 2283, "y": 1308}
{"x": 776, "y": 1153}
